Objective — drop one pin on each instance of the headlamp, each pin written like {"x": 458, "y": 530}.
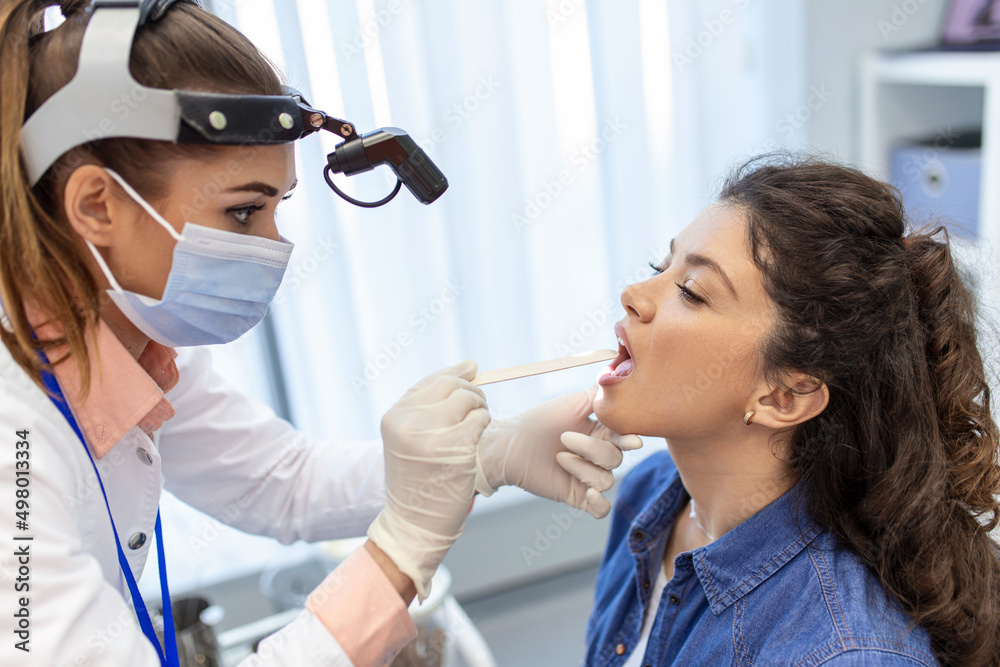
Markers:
{"x": 80, "y": 112}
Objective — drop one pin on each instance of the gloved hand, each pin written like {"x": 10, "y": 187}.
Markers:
{"x": 556, "y": 451}
{"x": 430, "y": 438}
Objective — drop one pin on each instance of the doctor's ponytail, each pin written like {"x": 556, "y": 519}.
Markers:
{"x": 42, "y": 260}
{"x": 38, "y": 261}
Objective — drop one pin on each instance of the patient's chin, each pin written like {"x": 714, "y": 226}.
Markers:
{"x": 611, "y": 416}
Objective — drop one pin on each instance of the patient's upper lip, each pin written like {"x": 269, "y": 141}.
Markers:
{"x": 623, "y": 337}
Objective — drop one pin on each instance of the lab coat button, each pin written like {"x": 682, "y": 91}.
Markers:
{"x": 144, "y": 456}
{"x": 620, "y": 649}
{"x": 674, "y": 599}
{"x": 136, "y": 541}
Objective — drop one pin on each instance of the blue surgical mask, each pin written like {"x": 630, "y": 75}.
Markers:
{"x": 219, "y": 287}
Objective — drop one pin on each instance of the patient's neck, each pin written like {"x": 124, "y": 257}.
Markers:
{"x": 731, "y": 479}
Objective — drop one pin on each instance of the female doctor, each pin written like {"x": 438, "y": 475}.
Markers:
{"x": 99, "y": 265}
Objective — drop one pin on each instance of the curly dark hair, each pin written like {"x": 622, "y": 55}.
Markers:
{"x": 902, "y": 465}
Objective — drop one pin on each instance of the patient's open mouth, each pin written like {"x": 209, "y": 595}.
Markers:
{"x": 622, "y": 367}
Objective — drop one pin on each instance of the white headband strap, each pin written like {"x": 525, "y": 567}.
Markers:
{"x": 70, "y": 118}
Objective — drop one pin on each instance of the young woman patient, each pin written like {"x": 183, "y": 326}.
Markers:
{"x": 832, "y": 472}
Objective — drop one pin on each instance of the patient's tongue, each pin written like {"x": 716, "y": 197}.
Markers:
{"x": 624, "y": 368}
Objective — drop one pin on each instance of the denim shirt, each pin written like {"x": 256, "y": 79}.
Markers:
{"x": 775, "y": 590}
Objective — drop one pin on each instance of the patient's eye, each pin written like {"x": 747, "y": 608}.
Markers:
{"x": 688, "y": 294}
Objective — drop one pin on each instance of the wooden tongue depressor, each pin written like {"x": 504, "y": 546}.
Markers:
{"x": 539, "y": 367}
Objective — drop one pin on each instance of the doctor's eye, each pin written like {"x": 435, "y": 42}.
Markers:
{"x": 243, "y": 214}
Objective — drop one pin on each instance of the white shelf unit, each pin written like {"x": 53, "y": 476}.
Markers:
{"x": 914, "y": 95}
{"x": 906, "y": 96}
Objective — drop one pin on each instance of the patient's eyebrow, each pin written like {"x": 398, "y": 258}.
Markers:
{"x": 702, "y": 260}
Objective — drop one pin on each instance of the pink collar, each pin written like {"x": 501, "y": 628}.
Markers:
{"x": 123, "y": 392}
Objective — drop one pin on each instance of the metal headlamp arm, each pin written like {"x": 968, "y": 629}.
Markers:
{"x": 314, "y": 120}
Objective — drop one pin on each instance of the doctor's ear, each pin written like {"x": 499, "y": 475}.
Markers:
{"x": 93, "y": 205}
{"x": 797, "y": 400}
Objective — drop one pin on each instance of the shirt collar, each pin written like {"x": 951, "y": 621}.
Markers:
{"x": 746, "y": 556}
{"x": 124, "y": 392}
{"x": 742, "y": 559}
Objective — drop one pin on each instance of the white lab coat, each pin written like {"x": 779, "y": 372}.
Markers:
{"x": 223, "y": 453}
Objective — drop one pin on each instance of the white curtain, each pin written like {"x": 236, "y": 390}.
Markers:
{"x": 577, "y": 137}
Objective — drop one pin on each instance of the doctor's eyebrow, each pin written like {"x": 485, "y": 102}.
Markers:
{"x": 701, "y": 260}
{"x": 257, "y": 186}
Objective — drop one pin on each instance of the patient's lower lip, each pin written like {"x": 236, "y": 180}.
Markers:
{"x": 619, "y": 372}
{"x": 609, "y": 379}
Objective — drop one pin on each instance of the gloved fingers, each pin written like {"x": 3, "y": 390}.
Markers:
{"x": 568, "y": 412}
{"x": 600, "y": 452}
{"x": 588, "y": 499}
{"x": 585, "y": 471}
{"x": 626, "y": 443}
{"x": 597, "y": 505}
{"x": 404, "y": 428}
{"x": 571, "y": 491}
{"x": 464, "y": 369}
{"x": 457, "y": 406}
{"x": 580, "y": 404}
{"x": 463, "y": 433}
{"x": 474, "y": 424}
{"x": 440, "y": 389}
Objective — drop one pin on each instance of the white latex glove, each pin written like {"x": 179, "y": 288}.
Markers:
{"x": 430, "y": 438}
{"x": 556, "y": 451}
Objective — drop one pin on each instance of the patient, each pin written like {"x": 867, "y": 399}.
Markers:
{"x": 832, "y": 465}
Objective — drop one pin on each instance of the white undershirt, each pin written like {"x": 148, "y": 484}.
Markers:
{"x": 639, "y": 652}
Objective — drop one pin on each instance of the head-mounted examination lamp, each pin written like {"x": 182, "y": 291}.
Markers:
{"x": 79, "y": 113}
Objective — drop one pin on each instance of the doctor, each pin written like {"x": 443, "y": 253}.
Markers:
{"x": 121, "y": 251}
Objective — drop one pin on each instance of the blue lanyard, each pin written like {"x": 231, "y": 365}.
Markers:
{"x": 168, "y": 659}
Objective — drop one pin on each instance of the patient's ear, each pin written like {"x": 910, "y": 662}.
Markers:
{"x": 799, "y": 399}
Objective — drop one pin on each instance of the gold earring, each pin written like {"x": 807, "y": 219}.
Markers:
{"x": 748, "y": 416}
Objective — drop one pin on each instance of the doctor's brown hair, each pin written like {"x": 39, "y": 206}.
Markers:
{"x": 42, "y": 260}
{"x": 902, "y": 464}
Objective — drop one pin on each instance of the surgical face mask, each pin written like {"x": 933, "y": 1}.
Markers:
{"x": 219, "y": 287}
